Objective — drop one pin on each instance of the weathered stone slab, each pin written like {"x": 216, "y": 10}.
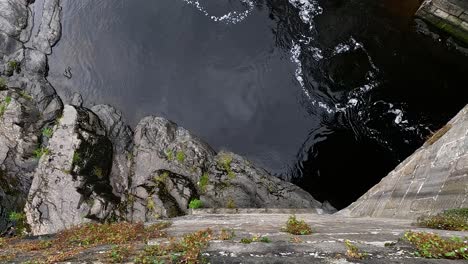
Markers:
{"x": 433, "y": 179}
{"x": 448, "y": 15}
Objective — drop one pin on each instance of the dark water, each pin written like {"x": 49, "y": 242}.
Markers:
{"x": 332, "y": 103}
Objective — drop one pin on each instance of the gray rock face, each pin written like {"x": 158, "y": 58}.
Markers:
{"x": 19, "y": 137}
{"x": 14, "y": 17}
{"x": 121, "y": 136}
{"x": 71, "y": 184}
{"x": 433, "y": 179}
{"x": 171, "y": 167}
{"x": 50, "y": 28}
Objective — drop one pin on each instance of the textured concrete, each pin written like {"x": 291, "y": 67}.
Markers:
{"x": 448, "y": 15}
{"x": 431, "y": 180}
{"x": 324, "y": 245}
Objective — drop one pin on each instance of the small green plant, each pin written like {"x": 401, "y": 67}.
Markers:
{"x": 231, "y": 204}
{"x": 169, "y": 154}
{"x": 162, "y": 177}
{"x": 13, "y": 66}
{"x": 20, "y": 222}
{"x": 39, "y": 152}
{"x": 25, "y": 95}
{"x": 119, "y": 253}
{"x": 246, "y": 240}
{"x": 297, "y": 227}
{"x": 433, "y": 246}
{"x": 226, "y": 234}
{"x": 180, "y": 156}
{"x": 352, "y": 251}
{"x": 47, "y": 132}
{"x": 3, "y": 83}
{"x": 97, "y": 171}
{"x": 195, "y": 204}
{"x": 453, "y": 219}
{"x": 4, "y": 105}
{"x": 224, "y": 163}
{"x": 203, "y": 182}
{"x": 76, "y": 158}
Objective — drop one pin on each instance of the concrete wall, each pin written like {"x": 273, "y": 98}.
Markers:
{"x": 431, "y": 180}
{"x": 448, "y": 15}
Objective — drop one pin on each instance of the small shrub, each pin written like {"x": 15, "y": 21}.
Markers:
{"x": 19, "y": 219}
{"x": 297, "y": 227}
{"x": 224, "y": 163}
{"x": 13, "y": 66}
{"x": 25, "y": 95}
{"x": 226, "y": 234}
{"x": 231, "y": 204}
{"x": 4, "y": 105}
{"x": 265, "y": 240}
{"x": 180, "y": 156}
{"x": 246, "y": 240}
{"x": 352, "y": 251}
{"x": 119, "y": 254}
{"x": 453, "y": 219}
{"x": 169, "y": 155}
{"x": 162, "y": 177}
{"x": 3, "y": 83}
{"x": 433, "y": 246}
{"x": 195, "y": 204}
{"x": 76, "y": 158}
{"x": 47, "y": 132}
{"x": 39, "y": 152}
{"x": 204, "y": 180}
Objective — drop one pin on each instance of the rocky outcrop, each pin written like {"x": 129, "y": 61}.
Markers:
{"x": 28, "y": 105}
{"x": 172, "y": 167}
{"x": 433, "y": 179}
{"x": 121, "y": 136}
{"x": 71, "y": 183}
{"x": 19, "y": 137}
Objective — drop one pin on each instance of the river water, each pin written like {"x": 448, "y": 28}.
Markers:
{"x": 330, "y": 94}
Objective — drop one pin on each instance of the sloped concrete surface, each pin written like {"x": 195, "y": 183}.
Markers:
{"x": 433, "y": 179}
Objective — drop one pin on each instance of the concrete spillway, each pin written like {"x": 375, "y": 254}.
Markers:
{"x": 448, "y": 15}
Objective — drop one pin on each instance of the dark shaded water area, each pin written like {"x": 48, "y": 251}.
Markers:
{"x": 331, "y": 95}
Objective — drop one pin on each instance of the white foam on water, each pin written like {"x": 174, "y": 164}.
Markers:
{"x": 308, "y": 9}
{"x": 232, "y": 17}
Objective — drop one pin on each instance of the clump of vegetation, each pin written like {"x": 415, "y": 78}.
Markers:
{"x": 224, "y": 163}
{"x": 297, "y": 227}
{"x": 2, "y": 242}
{"x": 98, "y": 172}
{"x": 21, "y": 225}
{"x": 76, "y": 158}
{"x": 47, "y": 132}
{"x": 180, "y": 156}
{"x": 39, "y": 152}
{"x": 162, "y": 177}
{"x": 3, "y": 84}
{"x": 169, "y": 155}
{"x": 437, "y": 135}
{"x": 4, "y": 105}
{"x": 226, "y": 234}
{"x": 195, "y": 204}
{"x": 248, "y": 240}
{"x": 12, "y": 67}
{"x": 203, "y": 182}
{"x": 231, "y": 204}
{"x": 25, "y": 95}
{"x": 186, "y": 250}
{"x": 119, "y": 253}
{"x": 433, "y": 246}
{"x": 453, "y": 219}
{"x": 352, "y": 251}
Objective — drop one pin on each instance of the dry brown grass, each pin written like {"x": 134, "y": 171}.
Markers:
{"x": 437, "y": 135}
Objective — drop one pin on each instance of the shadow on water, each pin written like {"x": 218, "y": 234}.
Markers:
{"x": 331, "y": 98}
